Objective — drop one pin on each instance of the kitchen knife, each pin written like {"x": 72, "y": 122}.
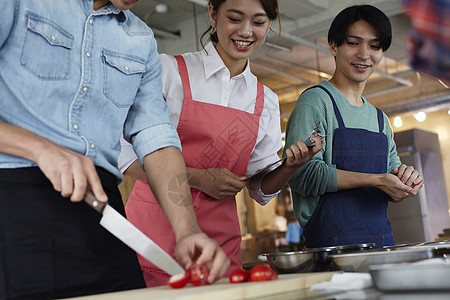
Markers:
{"x": 309, "y": 142}
{"x": 120, "y": 227}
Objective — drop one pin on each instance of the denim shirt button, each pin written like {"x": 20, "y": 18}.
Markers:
{"x": 93, "y": 146}
{"x": 53, "y": 37}
{"x": 90, "y": 21}
{"x": 75, "y": 126}
{"x": 88, "y": 54}
{"x": 85, "y": 89}
{"x": 126, "y": 68}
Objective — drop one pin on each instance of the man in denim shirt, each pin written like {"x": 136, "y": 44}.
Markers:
{"x": 75, "y": 75}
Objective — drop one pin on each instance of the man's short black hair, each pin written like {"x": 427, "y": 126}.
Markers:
{"x": 372, "y": 15}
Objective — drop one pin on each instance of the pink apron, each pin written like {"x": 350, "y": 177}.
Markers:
{"x": 212, "y": 136}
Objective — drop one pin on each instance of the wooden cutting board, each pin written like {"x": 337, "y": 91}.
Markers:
{"x": 222, "y": 289}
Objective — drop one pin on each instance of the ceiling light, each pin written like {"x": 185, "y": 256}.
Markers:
{"x": 420, "y": 116}
{"x": 398, "y": 122}
{"x": 161, "y": 8}
{"x": 448, "y": 111}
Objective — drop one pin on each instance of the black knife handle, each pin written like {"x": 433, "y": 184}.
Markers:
{"x": 93, "y": 202}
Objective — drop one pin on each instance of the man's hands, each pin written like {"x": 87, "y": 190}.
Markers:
{"x": 69, "y": 172}
{"x": 403, "y": 182}
{"x": 409, "y": 176}
{"x": 198, "y": 248}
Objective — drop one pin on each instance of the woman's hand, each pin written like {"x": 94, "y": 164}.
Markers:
{"x": 219, "y": 183}
{"x": 298, "y": 154}
{"x": 199, "y": 249}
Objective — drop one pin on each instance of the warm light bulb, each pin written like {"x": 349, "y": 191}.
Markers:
{"x": 420, "y": 116}
{"x": 398, "y": 122}
{"x": 161, "y": 8}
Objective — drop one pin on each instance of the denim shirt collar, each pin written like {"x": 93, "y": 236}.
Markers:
{"x": 111, "y": 9}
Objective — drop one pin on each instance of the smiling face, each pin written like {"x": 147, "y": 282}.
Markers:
{"x": 242, "y": 26}
{"x": 359, "y": 55}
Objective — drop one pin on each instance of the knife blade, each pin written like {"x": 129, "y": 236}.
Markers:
{"x": 309, "y": 142}
{"x": 129, "y": 234}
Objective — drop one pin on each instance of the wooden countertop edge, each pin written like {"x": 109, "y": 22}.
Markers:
{"x": 221, "y": 289}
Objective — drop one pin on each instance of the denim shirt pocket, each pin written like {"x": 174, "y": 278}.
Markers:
{"x": 46, "y": 49}
{"x": 122, "y": 75}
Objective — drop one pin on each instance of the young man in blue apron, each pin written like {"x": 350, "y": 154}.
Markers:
{"x": 341, "y": 195}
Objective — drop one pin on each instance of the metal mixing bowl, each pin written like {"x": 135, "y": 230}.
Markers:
{"x": 346, "y": 248}
{"x": 314, "y": 260}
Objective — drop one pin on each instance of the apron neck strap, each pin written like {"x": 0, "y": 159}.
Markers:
{"x": 184, "y": 76}
{"x": 380, "y": 120}
{"x": 259, "y": 106}
{"x": 336, "y": 110}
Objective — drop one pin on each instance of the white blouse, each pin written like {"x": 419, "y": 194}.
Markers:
{"x": 211, "y": 83}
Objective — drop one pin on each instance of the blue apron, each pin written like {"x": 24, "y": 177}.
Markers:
{"x": 358, "y": 215}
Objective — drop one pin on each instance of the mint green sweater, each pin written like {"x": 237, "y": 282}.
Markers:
{"x": 318, "y": 176}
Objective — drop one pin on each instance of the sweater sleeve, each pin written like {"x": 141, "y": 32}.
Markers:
{"x": 315, "y": 177}
{"x": 393, "y": 159}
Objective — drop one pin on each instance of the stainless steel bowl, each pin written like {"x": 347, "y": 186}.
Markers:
{"x": 348, "y": 248}
{"x": 360, "y": 262}
{"x": 315, "y": 260}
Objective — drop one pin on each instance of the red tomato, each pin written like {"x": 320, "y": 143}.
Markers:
{"x": 261, "y": 272}
{"x": 274, "y": 275}
{"x": 198, "y": 274}
{"x": 178, "y": 281}
{"x": 238, "y": 276}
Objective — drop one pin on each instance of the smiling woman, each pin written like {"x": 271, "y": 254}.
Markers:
{"x": 241, "y": 30}
{"x": 229, "y": 126}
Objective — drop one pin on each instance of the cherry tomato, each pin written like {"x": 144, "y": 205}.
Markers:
{"x": 198, "y": 274}
{"x": 261, "y": 272}
{"x": 178, "y": 281}
{"x": 239, "y": 275}
{"x": 274, "y": 275}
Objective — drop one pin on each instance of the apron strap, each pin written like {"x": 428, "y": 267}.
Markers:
{"x": 259, "y": 106}
{"x": 336, "y": 110}
{"x": 380, "y": 120}
{"x": 182, "y": 68}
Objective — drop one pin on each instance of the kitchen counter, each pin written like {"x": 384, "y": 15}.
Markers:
{"x": 287, "y": 284}
{"x": 286, "y": 287}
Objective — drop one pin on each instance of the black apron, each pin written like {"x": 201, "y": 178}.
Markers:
{"x": 51, "y": 247}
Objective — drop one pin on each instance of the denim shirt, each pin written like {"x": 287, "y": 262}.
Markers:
{"x": 81, "y": 78}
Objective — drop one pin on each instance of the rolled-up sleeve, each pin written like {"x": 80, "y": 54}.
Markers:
{"x": 254, "y": 187}
{"x": 148, "y": 126}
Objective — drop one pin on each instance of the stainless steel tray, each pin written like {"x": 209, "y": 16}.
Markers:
{"x": 360, "y": 261}
{"x": 432, "y": 274}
